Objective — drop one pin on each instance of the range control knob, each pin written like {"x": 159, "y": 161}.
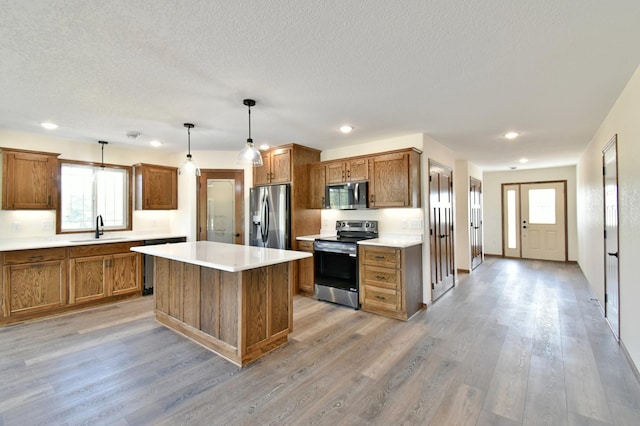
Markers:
{"x": 367, "y": 225}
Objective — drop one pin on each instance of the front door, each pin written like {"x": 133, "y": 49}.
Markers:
{"x": 611, "y": 255}
{"x": 220, "y": 206}
{"x": 475, "y": 205}
{"x": 534, "y": 217}
{"x": 441, "y": 228}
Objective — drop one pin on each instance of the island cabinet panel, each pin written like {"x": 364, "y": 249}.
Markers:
{"x": 239, "y": 315}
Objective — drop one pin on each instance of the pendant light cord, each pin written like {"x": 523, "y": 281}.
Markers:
{"x": 249, "y": 140}
{"x": 189, "y": 142}
{"x": 103, "y": 143}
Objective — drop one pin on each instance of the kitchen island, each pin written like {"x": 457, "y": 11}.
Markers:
{"x": 235, "y": 300}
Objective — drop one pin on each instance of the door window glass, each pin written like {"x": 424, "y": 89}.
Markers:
{"x": 542, "y": 206}
{"x": 512, "y": 225}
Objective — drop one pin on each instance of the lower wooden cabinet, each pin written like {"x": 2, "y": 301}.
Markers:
{"x": 306, "y": 275}
{"x": 39, "y": 282}
{"x": 391, "y": 280}
{"x": 33, "y": 281}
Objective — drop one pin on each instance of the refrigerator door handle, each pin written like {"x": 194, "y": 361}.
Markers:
{"x": 265, "y": 219}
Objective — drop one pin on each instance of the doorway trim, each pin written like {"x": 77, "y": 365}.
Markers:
{"x": 201, "y": 191}
{"x": 613, "y": 143}
{"x": 519, "y": 192}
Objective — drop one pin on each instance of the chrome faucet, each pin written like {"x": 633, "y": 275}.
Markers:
{"x": 99, "y": 223}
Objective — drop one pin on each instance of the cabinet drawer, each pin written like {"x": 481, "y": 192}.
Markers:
{"x": 381, "y": 298}
{"x": 102, "y": 249}
{"x": 381, "y": 256}
{"x": 382, "y": 277}
{"x": 30, "y": 256}
{"x": 305, "y": 246}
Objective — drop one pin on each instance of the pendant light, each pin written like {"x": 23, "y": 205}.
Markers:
{"x": 188, "y": 165}
{"x": 103, "y": 143}
{"x": 249, "y": 154}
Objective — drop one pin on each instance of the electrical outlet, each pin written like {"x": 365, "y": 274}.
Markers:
{"x": 47, "y": 225}
{"x": 15, "y": 227}
{"x": 403, "y": 224}
{"x": 416, "y": 224}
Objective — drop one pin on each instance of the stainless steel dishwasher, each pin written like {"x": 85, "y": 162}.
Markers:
{"x": 148, "y": 261}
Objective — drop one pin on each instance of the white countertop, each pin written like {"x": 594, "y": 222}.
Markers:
{"x": 71, "y": 240}
{"x": 226, "y": 257}
{"x": 392, "y": 242}
{"x": 309, "y": 237}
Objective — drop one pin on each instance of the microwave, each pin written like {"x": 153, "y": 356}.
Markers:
{"x": 346, "y": 196}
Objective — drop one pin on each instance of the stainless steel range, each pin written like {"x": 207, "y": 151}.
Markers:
{"x": 336, "y": 262}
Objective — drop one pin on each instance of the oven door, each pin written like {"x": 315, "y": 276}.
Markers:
{"x": 336, "y": 269}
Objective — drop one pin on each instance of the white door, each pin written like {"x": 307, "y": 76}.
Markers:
{"x": 611, "y": 255}
{"x": 534, "y": 220}
{"x": 543, "y": 221}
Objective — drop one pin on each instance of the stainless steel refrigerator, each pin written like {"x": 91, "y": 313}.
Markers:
{"x": 270, "y": 208}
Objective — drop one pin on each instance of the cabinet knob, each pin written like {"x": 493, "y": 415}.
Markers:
{"x": 380, "y": 297}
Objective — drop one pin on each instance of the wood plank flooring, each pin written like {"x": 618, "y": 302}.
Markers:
{"x": 515, "y": 343}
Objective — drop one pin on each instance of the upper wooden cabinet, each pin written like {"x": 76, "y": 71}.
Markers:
{"x": 347, "y": 171}
{"x": 317, "y": 183}
{"x": 276, "y": 167}
{"x": 29, "y": 180}
{"x": 156, "y": 187}
{"x": 395, "y": 180}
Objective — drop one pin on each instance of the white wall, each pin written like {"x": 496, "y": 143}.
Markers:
{"x": 623, "y": 121}
{"x": 492, "y": 198}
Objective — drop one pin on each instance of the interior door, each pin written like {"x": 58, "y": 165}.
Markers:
{"x": 441, "y": 228}
{"x": 221, "y": 206}
{"x": 611, "y": 248}
{"x": 534, "y": 220}
{"x": 475, "y": 205}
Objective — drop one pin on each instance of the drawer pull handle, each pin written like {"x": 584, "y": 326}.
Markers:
{"x": 380, "y": 297}
{"x": 381, "y": 277}
{"x": 379, "y": 257}
{"x": 35, "y": 257}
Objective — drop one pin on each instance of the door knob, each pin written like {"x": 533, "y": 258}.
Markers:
{"x": 613, "y": 254}
{"x": 236, "y": 235}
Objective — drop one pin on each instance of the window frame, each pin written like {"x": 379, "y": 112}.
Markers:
{"x": 130, "y": 200}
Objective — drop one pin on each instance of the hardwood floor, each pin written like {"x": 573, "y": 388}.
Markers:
{"x": 515, "y": 343}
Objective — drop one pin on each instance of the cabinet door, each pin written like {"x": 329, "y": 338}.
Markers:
{"x": 281, "y": 165}
{"x": 88, "y": 278}
{"x": 317, "y": 184}
{"x": 335, "y": 172}
{"x": 124, "y": 269}
{"x": 261, "y": 174}
{"x": 34, "y": 287}
{"x": 306, "y": 275}
{"x": 358, "y": 170}
{"x": 389, "y": 186}
{"x": 160, "y": 188}
{"x": 28, "y": 181}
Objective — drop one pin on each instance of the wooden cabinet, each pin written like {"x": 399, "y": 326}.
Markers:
{"x": 395, "y": 180}
{"x": 99, "y": 271}
{"x": 29, "y": 180}
{"x": 33, "y": 281}
{"x": 40, "y": 282}
{"x": 156, "y": 187}
{"x": 276, "y": 167}
{"x": 352, "y": 170}
{"x": 391, "y": 280}
{"x": 316, "y": 186}
{"x": 306, "y": 275}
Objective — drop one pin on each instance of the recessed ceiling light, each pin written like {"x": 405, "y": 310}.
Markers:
{"x": 264, "y": 147}
{"x": 523, "y": 160}
{"x": 346, "y": 129}
{"x": 49, "y": 126}
{"x": 155, "y": 143}
{"x": 511, "y": 135}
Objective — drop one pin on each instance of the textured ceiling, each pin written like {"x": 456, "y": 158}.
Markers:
{"x": 463, "y": 72}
